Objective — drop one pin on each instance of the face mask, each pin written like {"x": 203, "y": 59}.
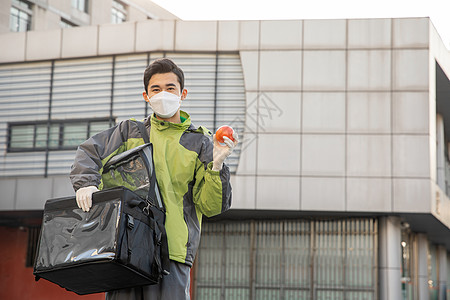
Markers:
{"x": 165, "y": 104}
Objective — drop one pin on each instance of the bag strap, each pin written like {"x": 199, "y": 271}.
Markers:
{"x": 153, "y": 192}
{"x": 153, "y": 196}
{"x": 144, "y": 132}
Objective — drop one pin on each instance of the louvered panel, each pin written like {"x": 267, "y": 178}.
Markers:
{"x": 26, "y": 163}
{"x": 290, "y": 259}
{"x": 360, "y": 248}
{"x": 82, "y": 87}
{"x": 231, "y": 106}
{"x": 3, "y": 137}
{"x": 199, "y": 72}
{"x": 128, "y": 87}
{"x": 238, "y": 247}
{"x": 297, "y": 253}
{"x": 212, "y": 256}
{"x": 60, "y": 162}
{"x": 330, "y": 254}
{"x": 24, "y": 96}
{"x": 24, "y": 91}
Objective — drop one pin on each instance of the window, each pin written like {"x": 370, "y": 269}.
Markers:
{"x": 287, "y": 259}
{"x": 20, "y": 19}
{"x": 63, "y": 135}
{"x": 118, "y": 13}
{"x": 81, "y": 5}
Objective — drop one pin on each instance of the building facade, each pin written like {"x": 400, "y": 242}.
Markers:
{"x": 340, "y": 182}
{"x": 32, "y": 15}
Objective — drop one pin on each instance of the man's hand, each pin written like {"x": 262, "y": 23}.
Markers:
{"x": 221, "y": 152}
{"x": 84, "y": 197}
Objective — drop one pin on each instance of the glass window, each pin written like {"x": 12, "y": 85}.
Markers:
{"x": 64, "y": 135}
{"x": 20, "y": 16}
{"x": 41, "y": 136}
{"x": 22, "y": 136}
{"x": 118, "y": 13}
{"x": 54, "y": 137}
{"x": 81, "y": 5}
{"x": 288, "y": 259}
{"x": 97, "y": 127}
{"x": 433, "y": 283}
{"x": 407, "y": 264}
{"x": 74, "y": 134}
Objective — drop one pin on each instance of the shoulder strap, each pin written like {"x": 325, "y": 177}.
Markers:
{"x": 144, "y": 132}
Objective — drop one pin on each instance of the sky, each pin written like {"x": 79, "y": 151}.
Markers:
{"x": 437, "y": 10}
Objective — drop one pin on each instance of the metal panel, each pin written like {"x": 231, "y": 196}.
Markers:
{"x": 82, "y": 88}
{"x": 128, "y": 87}
{"x": 24, "y": 91}
{"x": 60, "y": 162}
{"x": 199, "y": 72}
{"x": 24, "y": 94}
{"x": 288, "y": 259}
{"x": 25, "y": 163}
{"x": 98, "y": 87}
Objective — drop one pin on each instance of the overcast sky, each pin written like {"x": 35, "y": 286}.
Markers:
{"x": 437, "y": 10}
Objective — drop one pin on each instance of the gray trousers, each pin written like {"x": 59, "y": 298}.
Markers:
{"x": 173, "y": 286}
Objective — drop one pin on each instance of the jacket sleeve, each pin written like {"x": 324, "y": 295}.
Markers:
{"x": 212, "y": 189}
{"x": 92, "y": 154}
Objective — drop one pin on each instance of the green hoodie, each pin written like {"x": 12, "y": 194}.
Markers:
{"x": 183, "y": 160}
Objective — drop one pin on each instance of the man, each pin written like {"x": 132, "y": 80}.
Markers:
{"x": 192, "y": 178}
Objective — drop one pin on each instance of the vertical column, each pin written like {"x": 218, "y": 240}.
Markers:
{"x": 390, "y": 258}
{"x": 422, "y": 267}
{"x": 443, "y": 272}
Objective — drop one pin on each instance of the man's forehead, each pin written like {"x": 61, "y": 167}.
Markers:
{"x": 164, "y": 79}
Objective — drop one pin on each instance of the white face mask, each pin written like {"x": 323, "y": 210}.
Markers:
{"x": 165, "y": 104}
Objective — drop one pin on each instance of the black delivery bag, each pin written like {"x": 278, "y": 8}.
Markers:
{"x": 120, "y": 243}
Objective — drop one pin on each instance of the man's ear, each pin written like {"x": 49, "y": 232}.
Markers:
{"x": 144, "y": 94}
{"x": 184, "y": 94}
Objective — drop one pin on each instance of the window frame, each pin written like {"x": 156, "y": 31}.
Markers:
{"x": 23, "y": 8}
{"x": 118, "y": 8}
{"x": 60, "y": 124}
{"x": 77, "y": 5}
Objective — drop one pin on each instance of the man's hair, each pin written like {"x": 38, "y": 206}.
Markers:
{"x": 161, "y": 66}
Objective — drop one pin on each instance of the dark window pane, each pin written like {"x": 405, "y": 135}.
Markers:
{"x": 41, "y": 136}
{"x": 54, "y": 136}
{"x": 74, "y": 134}
{"x": 22, "y": 136}
{"x": 98, "y": 127}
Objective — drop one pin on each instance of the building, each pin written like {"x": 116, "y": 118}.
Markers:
{"x": 341, "y": 179}
{"x": 24, "y": 15}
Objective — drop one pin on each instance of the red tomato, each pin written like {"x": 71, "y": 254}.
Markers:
{"x": 224, "y": 131}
